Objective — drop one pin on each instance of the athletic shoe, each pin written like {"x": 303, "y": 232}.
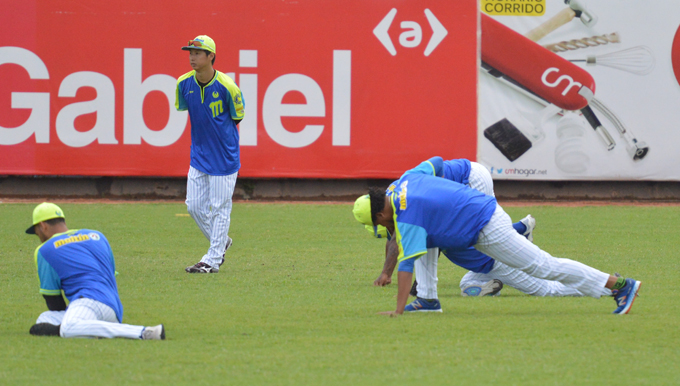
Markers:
{"x": 229, "y": 242}
{"x": 490, "y": 288}
{"x": 616, "y": 292}
{"x": 530, "y": 223}
{"x": 423, "y": 305}
{"x": 414, "y": 289}
{"x": 201, "y": 267}
{"x": 154, "y": 333}
{"x": 44, "y": 329}
{"x": 626, "y": 296}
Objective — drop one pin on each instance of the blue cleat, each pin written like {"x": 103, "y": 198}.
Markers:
{"x": 626, "y": 296}
{"x": 423, "y": 305}
{"x": 490, "y": 288}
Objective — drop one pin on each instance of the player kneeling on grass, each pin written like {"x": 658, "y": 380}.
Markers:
{"x": 80, "y": 263}
{"x": 424, "y": 211}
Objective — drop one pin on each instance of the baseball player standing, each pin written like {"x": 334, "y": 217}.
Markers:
{"x": 216, "y": 106}
{"x": 79, "y": 263}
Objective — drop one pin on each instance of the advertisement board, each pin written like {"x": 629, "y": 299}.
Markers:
{"x": 341, "y": 89}
{"x": 587, "y": 90}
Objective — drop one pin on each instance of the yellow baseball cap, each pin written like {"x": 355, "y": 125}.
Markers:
{"x": 43, "y": 212}
{"x": 362, "y": 210}
{"x": 377, "y": 231}
{"x": 201, "y": 42}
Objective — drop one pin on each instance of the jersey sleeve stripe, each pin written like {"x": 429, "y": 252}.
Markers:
{"x": 50, "y": 292}
{"x": 434, "y": 171}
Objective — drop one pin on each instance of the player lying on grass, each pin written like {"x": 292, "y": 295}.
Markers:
{"x": 424, "y": 211}
{"x": 487, "y": 281}
{"x": 79, "y": 263}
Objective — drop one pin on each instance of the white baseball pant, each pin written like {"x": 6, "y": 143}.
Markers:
{"x": 480, "y": 179}
{"x": 209, "y": 204}
{"x": 499, "y": 240}
{"x": 88, "y": 318}
{"x": 426, "y": 266}
{"x": 519, "y": 280}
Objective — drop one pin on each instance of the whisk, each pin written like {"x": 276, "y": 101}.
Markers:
{"x": 637, "y": 60}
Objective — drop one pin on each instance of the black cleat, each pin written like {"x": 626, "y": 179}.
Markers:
{"x": 44, "y": 329}
{"x": 201, "y": 267}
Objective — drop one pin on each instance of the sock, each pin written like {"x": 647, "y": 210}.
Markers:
{"x": 519, "y": 227}
{"x": 620, "y": 283}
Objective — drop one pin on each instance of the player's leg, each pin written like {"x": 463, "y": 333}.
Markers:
{"x": 426, "y": 274}
{"x": 87, "y": 318}
{"x": 527, "y": 284}
{"x": 51, "y": 317}
{"x": 48, "y": 323}
{"x": 426, "y": 277}
{"x": 480, "y": 284}
{"x": 480, "y": 180}
{"x": 198, "y": 204}
{"x": 500, "y": 241}
{"x": 475, "y": 283}
{"x": 221, "y": 192}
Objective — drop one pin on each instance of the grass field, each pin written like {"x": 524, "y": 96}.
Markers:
{"x": 294, "y": 305}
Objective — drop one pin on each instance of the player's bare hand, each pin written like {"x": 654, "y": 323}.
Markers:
{"x": 382, "y": 280}
{"x": 391, "y": 314}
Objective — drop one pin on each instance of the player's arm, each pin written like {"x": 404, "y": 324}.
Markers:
{"x": 391, "y": 257}
{"x": 180, "y": 102}
{"x": 405, "y": 278}
{"x": 235, "y": 101}
{"x": 55, "y": 302}
{"x": 432, "y": 167}
{"x": 405, "y": 282}
{"x": 50, "y": 283}
{"x": 412, "y": 243}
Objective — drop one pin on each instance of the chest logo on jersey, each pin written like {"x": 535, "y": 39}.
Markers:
{"x": 215, "y": 94}
{"x": 402, "y": 195}
{"x": 216, "y": 108}
{"x": 72, "y": 239}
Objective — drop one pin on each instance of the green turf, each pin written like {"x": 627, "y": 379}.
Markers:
{"x": 294, "y": 305}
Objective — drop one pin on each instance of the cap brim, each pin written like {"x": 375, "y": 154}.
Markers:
{"x": 187, "y": 48}
{"x": 31, "y": 230}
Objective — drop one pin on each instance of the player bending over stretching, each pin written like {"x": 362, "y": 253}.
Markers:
{"x": 484, "y": 279}
{"x": 424, "y": 211}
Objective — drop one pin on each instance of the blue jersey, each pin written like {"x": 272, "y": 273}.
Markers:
{"x": 80, "y": 263}
{"x": 457, "y": 170}
{"x": 212, "y": 111}
{"x": 434, "y": 212}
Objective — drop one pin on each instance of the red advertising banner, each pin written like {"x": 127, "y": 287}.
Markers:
{"x": 341, "y": 89}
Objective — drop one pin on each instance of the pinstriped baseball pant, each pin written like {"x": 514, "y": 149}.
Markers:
{"x": 88, "y": 318}
{"x": 426, "y": 267}
{"x": 209, "y": 204}
{"x": 499, "y": 240}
